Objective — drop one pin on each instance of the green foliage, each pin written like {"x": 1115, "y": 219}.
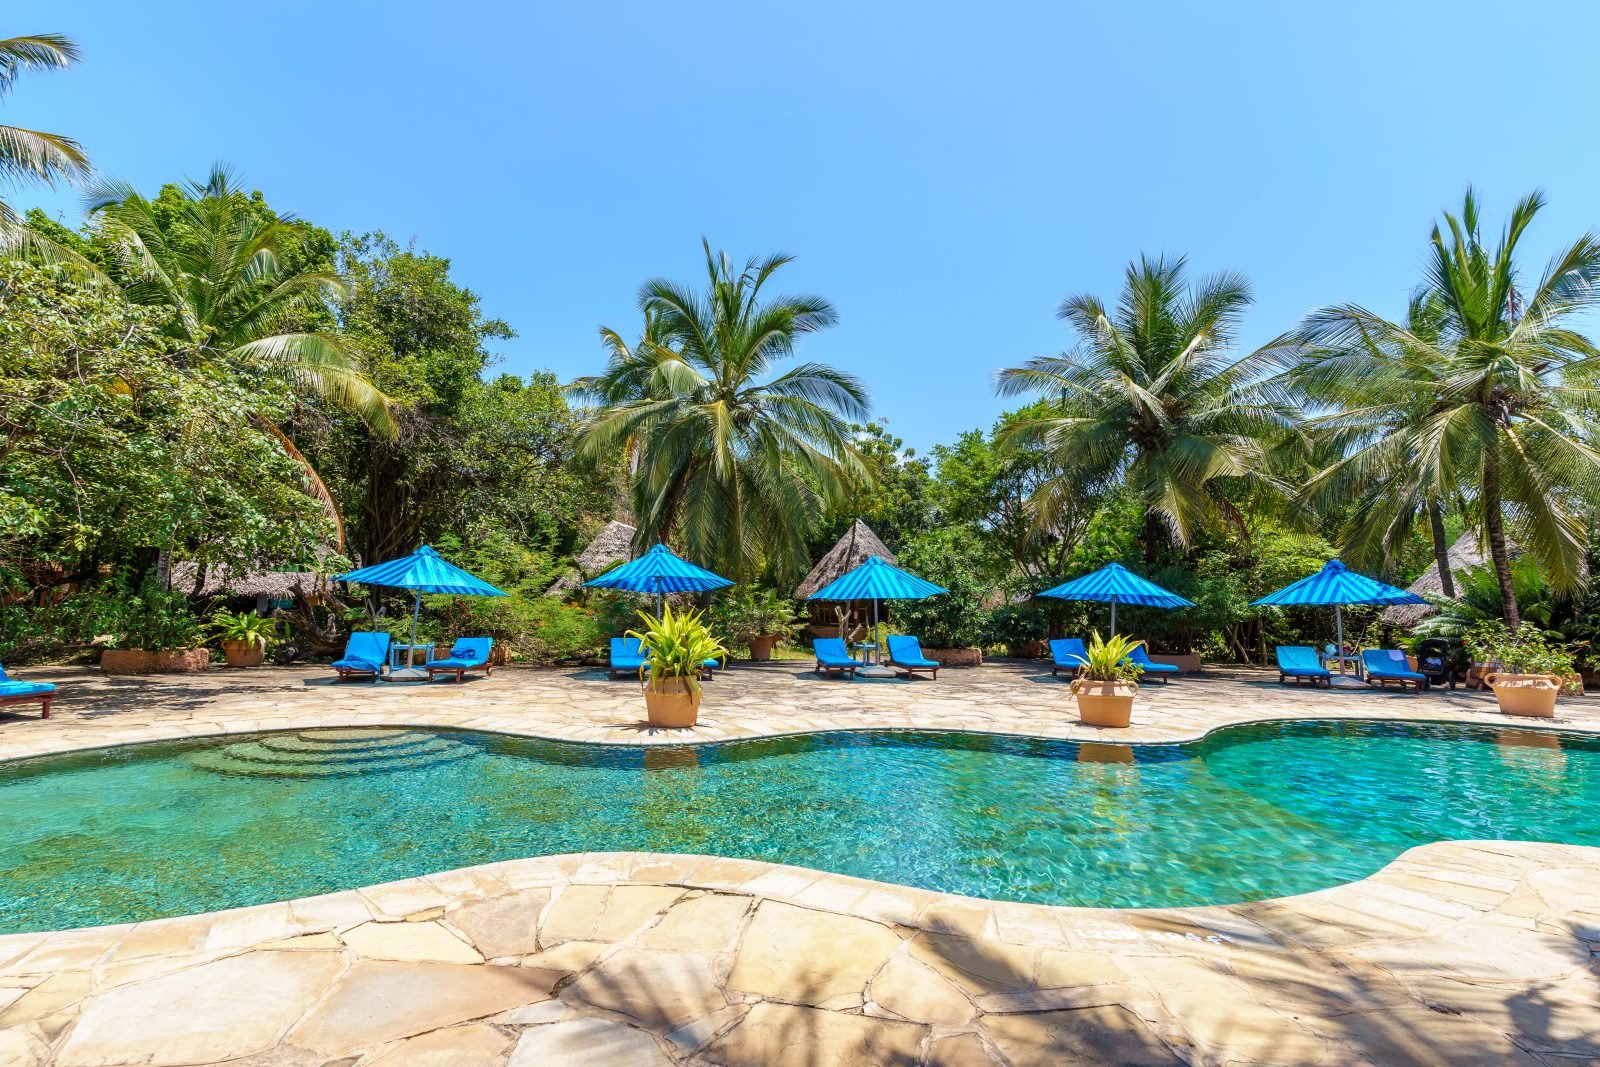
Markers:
{"x": 955, "y": 619}
{"x": 1478, "y": 601}
{"x": 676, "y": 646}
{"x": 744, "y": 614}
{"x": 245, "y": 626}
{"x": 147, "y": 617}
{"x": 1014, "y": 625}
{"x": 1106, "y": 658}
{"x": 1525, "y": 650}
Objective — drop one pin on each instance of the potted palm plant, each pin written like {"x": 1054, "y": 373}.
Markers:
{"x": 1525, "y": 671}
{"x": 757, "y": 619}
{"x": 1107, "y": 683}
{"x": 244, "y": 637}
{"x": 675, "y": 648}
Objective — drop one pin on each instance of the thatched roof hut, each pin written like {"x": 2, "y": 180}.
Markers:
{"x": 850, "y": 552}
{"x": 269, "y": 585}
{"x": 612, "y": 545}
{"x": 1463, "y": 556}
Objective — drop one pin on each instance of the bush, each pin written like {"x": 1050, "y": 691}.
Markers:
{"x": 951, "y": 620}
{"x": 741, "y": 616}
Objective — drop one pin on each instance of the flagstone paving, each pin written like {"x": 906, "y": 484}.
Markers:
{"x": 1456, "y": 953}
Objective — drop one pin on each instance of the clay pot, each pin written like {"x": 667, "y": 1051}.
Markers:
{"x": 1525, "y": 694}
{"x": 125, "y": 661}
{"x": 1028, "y": 650}
{"x": 761, "y": 647}
{"x": 671, "y": 702}
{"x": 955, "y": 657}
{"x": 244, "y": 653}
{"x": 180, "y": 660}
{"x": 1104, "y": 703}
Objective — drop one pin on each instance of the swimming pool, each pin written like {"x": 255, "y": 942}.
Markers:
{"x": 1250, "y": 812}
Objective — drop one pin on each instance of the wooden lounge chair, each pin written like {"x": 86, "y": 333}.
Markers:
{"x": 906, "y": 654}
{"x": 364, "y": 654}
{"x": 1301, "y": 663}
{"x": 1386, "y": 666}
{"x": 467, "y": 654}
{"x": 1067, "y": 654}
{"x": 834, "y": 658}
{"x": 13, "y": 691}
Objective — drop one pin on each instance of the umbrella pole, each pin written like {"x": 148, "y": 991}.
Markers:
{"x": 416, "y": 610}
{"x": 1338, "y": 627}
{"x": 1113, "y": 616}
{"x": 877, "y": 653}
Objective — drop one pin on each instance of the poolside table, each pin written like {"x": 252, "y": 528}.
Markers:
{"x": 397, "y": 652}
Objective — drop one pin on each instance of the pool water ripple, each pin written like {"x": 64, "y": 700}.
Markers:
{"x": 1250, "y": 812}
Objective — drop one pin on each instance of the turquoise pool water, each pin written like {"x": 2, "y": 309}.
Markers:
{"x": 1250, "y": 812}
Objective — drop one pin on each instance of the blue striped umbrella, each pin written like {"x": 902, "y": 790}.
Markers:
{"x": 658, "y": 571}
{"x": 424, "y": 571}
{"x": 1115, "y": 584}
{"x": 1338, "y": 585}
{"x": 875, "y": 580}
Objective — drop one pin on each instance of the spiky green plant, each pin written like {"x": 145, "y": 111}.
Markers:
{"x": 1106, "y": 659}
{"x": 676, "y": 645}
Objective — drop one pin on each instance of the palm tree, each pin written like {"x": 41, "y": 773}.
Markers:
{"x": 1487, "y": 403}
{"x": 735, "y": 464}
{"x": 1153, "y": 395}
{"x": 32, "y": 155}
{"x": 215, "y": 264}
{"x": 647, "y": 368}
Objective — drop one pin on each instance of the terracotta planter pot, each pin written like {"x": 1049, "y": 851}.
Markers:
{"x": 955, "y": 657}
{"x": 125, "y": 661}
{"x": 761, "y": 647}
{"x": 1104, "y": 703}
{"x": 1525, "y": 694}
{"x": 180, "y": 660}
{"x": 1028, "y": 650}
{"x": 671, "y": 703}
{"x": 244, "y": 653}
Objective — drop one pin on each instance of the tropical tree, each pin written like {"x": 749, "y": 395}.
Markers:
{"x": 216, "y": 261}
{"x": 1153, "y": 395}
{"x": 646, "y": 368}
{"x": 1486, "y": 402}
{"x": 32, "y": 155}
{"x": 734, "y": 464}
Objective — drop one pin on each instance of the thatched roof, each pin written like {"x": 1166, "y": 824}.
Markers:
{"x": 852, "y": 551}
{"x": 1463, "y": 555}
{"x": 279, "y": 585}
{"x": 612, "y": 545}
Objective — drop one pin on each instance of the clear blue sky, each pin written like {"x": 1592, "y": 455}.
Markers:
{"x": 944, "y": 173}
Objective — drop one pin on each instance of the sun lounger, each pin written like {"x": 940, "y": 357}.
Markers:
{"x": 13, "y": 691}
{"x": 1152, "y": 669}
{"x": 1067, "y": 654}
{"x": 1386, "y": 665}
{"x": 906, "y": 653}
{"x": 365, "y": 653}
{"x": 627, "y": 656}
{"x": 1302, "y": 663}
{"x": 467, "y": 654}
{"x": 834, "y": 658}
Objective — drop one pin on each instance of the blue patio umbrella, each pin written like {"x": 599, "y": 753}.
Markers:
{"x": 658, "y": 571}
{"x": 1338, "y": 585}
{"x": 424, "y": 571}
{"x": 1115, "y": 584}
{"x": 877, "y": 579}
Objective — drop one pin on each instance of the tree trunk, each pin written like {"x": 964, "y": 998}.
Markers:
{"x": 1441, "y": 549}
{"x": 1152, "y": 535}
{"x": 1494, "y": 527}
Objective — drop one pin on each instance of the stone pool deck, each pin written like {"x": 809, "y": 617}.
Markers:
{"x": 1456, "y": 953}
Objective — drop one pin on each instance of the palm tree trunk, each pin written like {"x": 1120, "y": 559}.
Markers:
{"x": 1441, "y": 549}
{"x": 1494, "y": 527}
{"x": 1152, "y": 535}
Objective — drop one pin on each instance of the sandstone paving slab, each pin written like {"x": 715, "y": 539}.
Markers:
{"x": 460, "y": 1046}
{"x": 1086, "y": 1035}
{"x": 810, "y": 957}
{"x": 661, "y": 990}
{"x": 589, "y": 1042}
{"x": 708, "y": 923}
{"x": 230, "y": 1008}
{"x": 916, "y": 992}
{"x": 380, "y": 1001}
{"x": 788, "y": 1035}
{"x": 424, "y": 942}
{"x": 504, "y": 925}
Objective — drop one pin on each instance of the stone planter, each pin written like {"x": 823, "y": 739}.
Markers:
{"x": 1186, "y": 662}
{"x": 955, "y": 657}
{"x": 180, "y": 660}
{"x": 244, "y": 653}
{"x": 1027, "y": 649}
{"x": 761, "y": 647}
{"x": 125, "y": 661}
{"x": 1525, "y": 694}
{"x": 672, "y": 703}
{"x": 1104, "y": 703}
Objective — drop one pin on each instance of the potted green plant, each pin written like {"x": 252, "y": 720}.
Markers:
{"x": 675, "y": 648}
{"x": 1107, "y": 683}
{"x": 1525, "y": 670}
{"x": 244, "y": 637}
{"x": 757, "y": 619}
{"x": 150, "y": 630}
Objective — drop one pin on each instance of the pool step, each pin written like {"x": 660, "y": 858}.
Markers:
{"x": 332, "y": 753}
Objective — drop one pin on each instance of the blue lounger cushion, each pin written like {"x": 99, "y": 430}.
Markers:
{"x": 905, "y": 651}
{"x": 1139, "y": 656}
{"x": 830, "y": 652}
{"x": 1389, "y": 663}
{"x": 1300, "y": 661}
{"x": 21, "y": 689}
{"x": 1068, "y": 652}
{"x": 466, "y": 652}
{"x": 365, "y": 652}
{"x": 626, "y": 653}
